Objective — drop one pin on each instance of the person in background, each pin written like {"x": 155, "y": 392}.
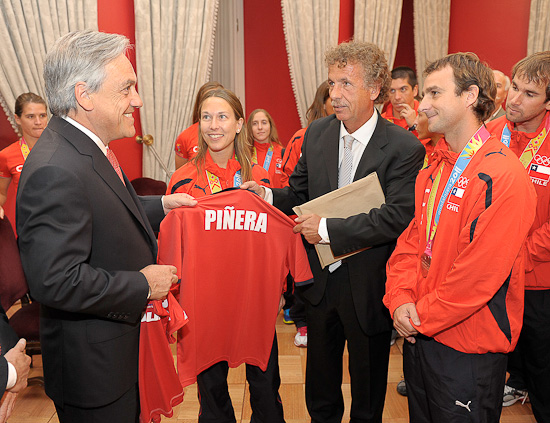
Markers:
{"x": 187, "y": 141}
{"x": 403, "y": 107}
{"x": 224, "y": 160}
{"x": 525, "y": 129}
{"x": 455, "y": 278}
{"x": 429, "y": 140}
{"x": 503, "y": 85}
{"x": 294, "y": 311}
{"x": 31, "y": 116}
{"x": 267, "y": 150}
{"x": 86, "y": 239}
{"x": 320, "y": 107}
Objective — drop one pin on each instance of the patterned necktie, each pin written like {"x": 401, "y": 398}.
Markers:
{"x": 344, "y": 173}
{"x": 344, "y": 178}
{"x": 114, "y": 162}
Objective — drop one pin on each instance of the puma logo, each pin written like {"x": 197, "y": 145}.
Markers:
{"x": 495, "y": 152}
{"x": 466, "y": 406}
{"x": 199, "y": 187}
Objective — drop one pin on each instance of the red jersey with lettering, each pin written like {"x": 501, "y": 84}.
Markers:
{"x": 192, "y": 179}
{"x": 472, "y": 297}
{"x": 159, "y": 387}
{"x": 537, "y": 263}
{"x": 187, "y": 142}
{"x": 275, "y": 169}
{"x": 293, "y": 152}
{"x": 233, "y": 252}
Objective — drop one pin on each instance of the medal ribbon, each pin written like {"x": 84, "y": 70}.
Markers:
{"x": 216, "y": 185}
{"x": 475, "y": 143}
{"x": 267, "y": 160}
{"x": 25, "y": 150}
{"x": 534, "y": 145}
{"x": 431, "y": 201}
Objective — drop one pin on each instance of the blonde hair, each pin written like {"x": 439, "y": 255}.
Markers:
{"x": 273, "y": 134}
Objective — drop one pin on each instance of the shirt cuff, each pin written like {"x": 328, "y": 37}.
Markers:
{"x": 323, "y": 231}
{"x": 268, "y": 195}
{"x": 12, "y": 376}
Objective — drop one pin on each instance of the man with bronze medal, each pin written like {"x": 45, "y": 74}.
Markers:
{"x": 525, "y": 130}
{"x": 455, "y": 279}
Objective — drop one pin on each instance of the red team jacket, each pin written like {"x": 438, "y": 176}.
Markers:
{"x": 191, "y": 180}
{"x": 472, "y": 297}
{"x": 388, "y": 115}
{"x": 275, "y": 169}
{"x": 233, "y": 252}
{"x": 11, "y": 164}
{"x": 537, "y": 257}
{"x": 187, "y": 142}
{"x": 159, "y": 387}
{"x": 293, "y": 152}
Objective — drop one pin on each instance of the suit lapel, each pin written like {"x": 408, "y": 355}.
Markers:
{"x": 101, "y": 165}
{"x": 330, "y": 151}
{"x": 373, "y": 154}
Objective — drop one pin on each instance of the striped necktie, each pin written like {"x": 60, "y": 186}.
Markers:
{"x": 345, "y": 172}
{"x": 345, "y": 177}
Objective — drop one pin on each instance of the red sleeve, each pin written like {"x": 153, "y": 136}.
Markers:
{"x": 538, "y": 246}
{"x": 402, "y": 269}
{"x": 159, "y": 387}
{"x": 170, "y": 249}
{"x": 4, "y": 168}
{"x": 298, "y": 262}
{"x": 260, "y": 176}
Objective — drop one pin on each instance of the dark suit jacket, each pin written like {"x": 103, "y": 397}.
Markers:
{"x": 83, "y": 237}
{"x": 396, "y": 156}
{"x": 8, "y": 339}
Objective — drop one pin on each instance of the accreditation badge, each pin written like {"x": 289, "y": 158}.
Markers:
{"x": 426, "y": 260}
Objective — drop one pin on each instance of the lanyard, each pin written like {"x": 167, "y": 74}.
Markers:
{"x": 216, "y": 185}
{"x": 25, "y": 150}
{"x": 267, "y": 160}
{"x": 475, "y": 143}
{"x": 534, "y": 145}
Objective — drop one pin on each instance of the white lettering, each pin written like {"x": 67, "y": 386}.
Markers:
{"x": 209, "y": 218}
{"x": 19, "y": 168}
{"x": 261, "y": 223}
{"x": 452, "y": 207}
{"x": 249, "y": 220}
{"x": 231, "y": 219}
{"x": 239, "y": 220}
{"x": 538, "y": 181}
{"x": 149, "y": 316}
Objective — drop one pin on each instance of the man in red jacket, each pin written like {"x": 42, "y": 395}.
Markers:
{"x": 524, "y": 130}
{"x": 403, "y": 107}
{"x": 455, "y": 280}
